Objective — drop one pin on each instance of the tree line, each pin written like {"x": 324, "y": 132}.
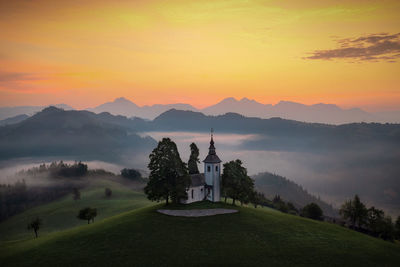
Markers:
{"x": 58, "y": 169}
{"x": 17, "y": 197}
{"x": 371, "y": 220}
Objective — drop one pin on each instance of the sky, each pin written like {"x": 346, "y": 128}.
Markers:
{"x": 85, "y": 53}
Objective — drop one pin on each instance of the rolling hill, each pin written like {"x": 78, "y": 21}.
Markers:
{"x": 83, "y": 135}
{"x": 272, "y": 185}
{"x": 13, "y": 120}
{"x": 252, "y": 237}
{"x": 8, "y": 112}
{"x": 61, "y": 214}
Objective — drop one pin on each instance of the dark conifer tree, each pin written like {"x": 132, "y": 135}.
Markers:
{"x": 194, "y": 159}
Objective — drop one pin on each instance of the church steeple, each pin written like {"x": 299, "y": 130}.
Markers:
{"x": 211, "y": 149}
{"x": 212, "y": 155}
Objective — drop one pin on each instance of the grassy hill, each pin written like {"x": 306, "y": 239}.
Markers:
{"x": 252, "y": 237}
{"x": 61, "y": 214}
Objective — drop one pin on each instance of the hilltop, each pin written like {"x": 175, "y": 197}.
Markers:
{"x": 252, "y": 237}
{"x": 73, "y": 134}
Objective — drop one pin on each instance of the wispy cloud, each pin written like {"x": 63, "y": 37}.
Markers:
{"x": 373, "y": 48}
{"x": 18, "y": 80}
{"x": 17, "y": 76}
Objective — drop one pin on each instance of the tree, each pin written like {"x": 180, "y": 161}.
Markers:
{"x": 247, "y": 192}
{"x": 131, "y": 174}
{"x": 76, "y": 193}
{"x": 107, "y": 192}
{"x": 87, "y": 214}
{"x": 312, "y": 211}
{"x": 375, "y": 220}
{"x": 397, "y": 228}
{"x": 168, "y": 174}
{"x": 35, "y": 225}
{"x": 354, "y": 211}
{"x": 236, "y": 184}
{"x": 193, "y": 159}
{"x": 292, "y": 209}
{"x": 388, "y": 230}
{"x": 279, "y": 204}
{"x": 258, "y": 198}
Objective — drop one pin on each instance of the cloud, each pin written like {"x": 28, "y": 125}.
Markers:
{"x": 18, "y": 76}
{"x": 373, "y": 48}
{"x": 18, "y": 80}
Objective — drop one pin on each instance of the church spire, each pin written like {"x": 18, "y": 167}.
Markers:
{"x": 211, "y": 149}
{"x": 212, "y": 156}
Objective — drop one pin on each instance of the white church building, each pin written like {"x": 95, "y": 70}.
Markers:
{"x": 206, "y": 186}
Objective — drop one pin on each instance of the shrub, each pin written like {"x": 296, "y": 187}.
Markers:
{"x": 312, "y": 211}
{"x": 108, "y": 192}
{"x": 131, "y": 174}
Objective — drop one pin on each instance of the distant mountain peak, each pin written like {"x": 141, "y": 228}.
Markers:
{"x": 51, "y": 109}
{"x": 228, "y": 100}
{"x": 245, "y": 99}
{"x": 121, "y": 99}
{"x": 284, "y": 102}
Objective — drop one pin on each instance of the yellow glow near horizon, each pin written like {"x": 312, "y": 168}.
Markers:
{"x": 84, "y": 53}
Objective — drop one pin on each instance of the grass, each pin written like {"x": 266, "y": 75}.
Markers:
{"x": 252, "y": 237}
{"x": 198, "y": 205}
{"x": 61, "y": 214}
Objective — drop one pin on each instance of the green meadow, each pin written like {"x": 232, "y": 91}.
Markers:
{"x": 61, "y": 214}
{"x": 129, "y": 232}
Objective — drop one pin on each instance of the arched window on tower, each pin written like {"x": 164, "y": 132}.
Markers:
{"x": 216, "y": 168}
{"x": 208, "y": 169}
{"x": 192, "y": 193}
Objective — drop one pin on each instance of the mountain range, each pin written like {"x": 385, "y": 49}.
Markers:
{"x": 319, "y": 113}
{"x": 79, "y": 135}
{"x": 9, "y": 112}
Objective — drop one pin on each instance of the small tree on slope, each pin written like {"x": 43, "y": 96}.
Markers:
{"x": 87, "y": 214}
{"x": 354, "y": 211}
{"x": 35, "y": 225}
{"x": 312, "y": 211}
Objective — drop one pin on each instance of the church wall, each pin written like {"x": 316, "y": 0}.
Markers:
{"x": 212, "y": 176}
{"x": 198, "y": 194}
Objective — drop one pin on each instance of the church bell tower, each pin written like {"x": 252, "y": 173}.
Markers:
{"x": 212, "y": 173}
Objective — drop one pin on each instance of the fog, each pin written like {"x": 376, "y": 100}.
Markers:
{"x": 8, "y": 175}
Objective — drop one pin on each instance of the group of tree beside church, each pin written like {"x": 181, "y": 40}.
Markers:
{"x": 171, "y": 179}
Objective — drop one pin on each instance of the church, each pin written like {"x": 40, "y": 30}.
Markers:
{"x": 206, "y": 186}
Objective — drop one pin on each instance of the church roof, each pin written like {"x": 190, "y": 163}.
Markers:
{"x": 212, "y": 159}
{"x": 198, "y": 179}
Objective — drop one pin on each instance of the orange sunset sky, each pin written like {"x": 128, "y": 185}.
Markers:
{"x": 84, "y": 53}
